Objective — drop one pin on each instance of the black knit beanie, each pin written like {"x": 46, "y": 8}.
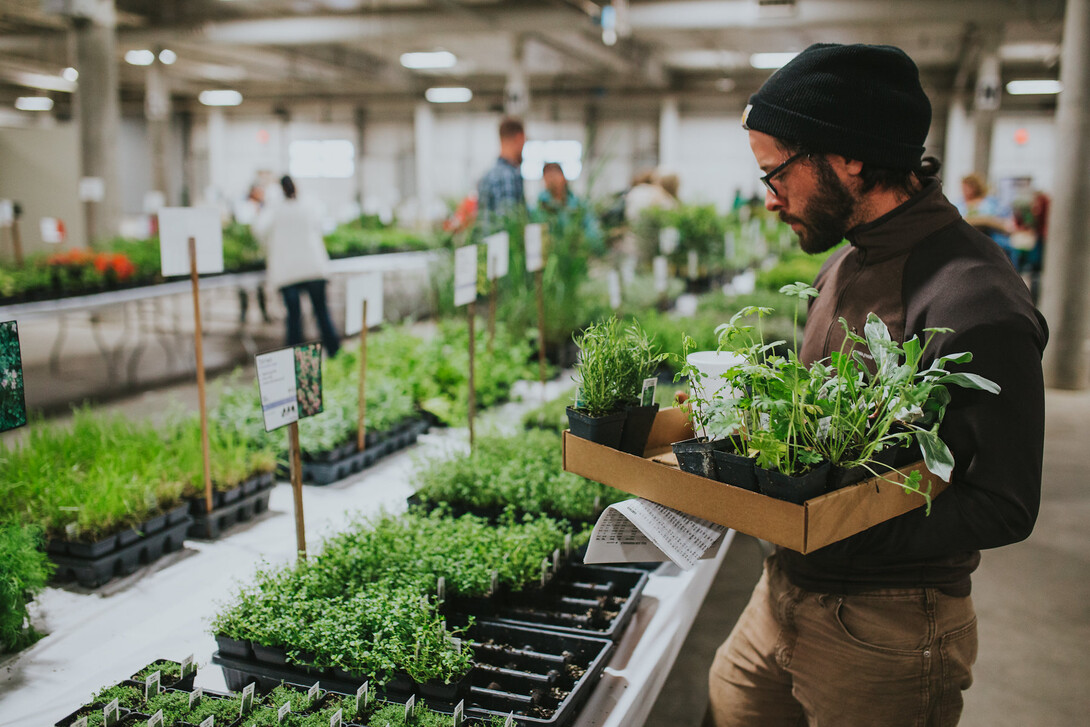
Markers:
{"x": 863, "y": 102}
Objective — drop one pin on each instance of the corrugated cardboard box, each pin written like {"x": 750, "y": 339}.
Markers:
{"x": 805, "y": 528}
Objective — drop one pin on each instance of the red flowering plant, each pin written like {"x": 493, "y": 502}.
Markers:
{"x": 82, "y": 268}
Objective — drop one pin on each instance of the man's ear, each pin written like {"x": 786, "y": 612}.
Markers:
{"x": 844, "y": 165}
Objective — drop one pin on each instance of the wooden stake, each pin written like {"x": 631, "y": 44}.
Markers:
{"x": 16, "y": 241}
{"x": 492, "y": 317}
{"x": 296, "y": 465}
{"x": 198, "y": 347}
{"x": 541, "y": 326}
{"x": 362, "y": 435}
{"x": 472, "y": 385}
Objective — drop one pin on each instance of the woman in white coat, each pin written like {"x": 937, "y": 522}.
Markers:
{"x": 297, "y": 261}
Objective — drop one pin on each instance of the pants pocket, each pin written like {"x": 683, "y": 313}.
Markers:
{"x": 891, "y": 624}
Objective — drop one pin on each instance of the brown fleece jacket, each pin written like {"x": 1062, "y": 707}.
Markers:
{"x": 921, "y": 266}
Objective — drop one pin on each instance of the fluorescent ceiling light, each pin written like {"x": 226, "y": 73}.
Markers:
{"x": 770, "y": 60}
{"x": 70, "y": 74}
{"x": 34, "y": 103}
{"x": 143, "y": 57}
{"x": 455, "y": 94}
{"x": 220, "y": 97}
{"x": 432, "y": 59}
{"x": 1027, "y": 87}
{"x": 167, "y": 56}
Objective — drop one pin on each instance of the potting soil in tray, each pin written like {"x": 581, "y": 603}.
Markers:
{"x": 326, "y": 470}
{"x": 582, "y": 599}
{"x": 93, "y": 572}
{"x": 210, "y": 526}
{"x": 543, "y": 677}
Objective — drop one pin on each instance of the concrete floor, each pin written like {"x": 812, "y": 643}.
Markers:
{"x": 1032, "y": 601}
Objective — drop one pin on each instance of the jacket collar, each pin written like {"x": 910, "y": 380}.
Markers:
{"x": 901, "y": 228}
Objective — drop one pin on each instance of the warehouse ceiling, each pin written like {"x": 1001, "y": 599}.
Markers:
{"x": 284, "y": 51}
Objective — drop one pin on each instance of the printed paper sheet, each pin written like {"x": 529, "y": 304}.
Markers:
{"x": 640, "y": 530}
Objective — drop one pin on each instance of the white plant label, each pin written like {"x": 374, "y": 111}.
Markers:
{"x": 494, "y": 587}
{"x": 728, "y": 245}
{"x": 535, "y": 253}
{"x": 544, "y": 571}
{"x": 614, "y": 279}
{"x": 556, "y": 560}
{"x": 247, "y": 703}
{"x": 71, "y": 531}
{"x": 154, "y": 201}
{"x": 7, "y": 212}
{"x": 647, "y": 395}
{"x": 176, "y": 226}
{"x": 152, "y": 685}
{"x": 410, "y": 708}
{"x": 156, "y": 719}
{"x": 465, "y": 275}
{"x": 52, "y": 230}
{"x": 283, "y": 712}
{"x": 662, "y": 274}
{"x": 210, "y": 722}
{"x": 510, "y": 721}
{"x": 276, "y": 382}
{"x": 337, "y": 719}
{"x": 312, "y": 693}
{"x": 694, "y": 265}
{"x": 366, "y": 287}
{"x": 92, "y": 189}
{"x": 567, "y": 544}
{"x": 459, "y": 713}
{"x": 497, "y": 256}
{"x": 669, "y": 239}
{"x": 189, "y": 664}
{"x": 628, "y": 270}
{"x": 81, "y": 722}
{"x": 361, "y": 697}
{"x": 441, "y": 588}
{"x": 195, "y": 697}
{"x": 111, "y": 713}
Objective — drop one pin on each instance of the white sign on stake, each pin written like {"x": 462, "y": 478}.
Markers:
{"x": 366, "y": 287}
{"x": 7, "y": 212}
{"x": 176, "y": 226}
{"x": 662, "y": 274}
{"x": 276, "y": 382}
{"x": 614, "y": 279}
{"x": 92, "y": 189}
{"x": 465, "y": 275}
{"x": 52, "y": 230}
{"x": 535, "y": 254}
{"x": 497, "y": 256}
{"x": 669, "y": 239}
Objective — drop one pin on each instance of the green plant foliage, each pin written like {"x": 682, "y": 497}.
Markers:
{"x": 613, "y": 362}
{"x": 24, "y": 570}
{"x": 792, "y": 266}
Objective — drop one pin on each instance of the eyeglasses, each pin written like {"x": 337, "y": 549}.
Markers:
{"x": 767, "y": 179}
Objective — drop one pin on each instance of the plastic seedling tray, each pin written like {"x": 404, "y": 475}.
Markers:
{"x": 325, "y": 468}
{"x": 209, "y": 526}
{"x": 93, "y": 572}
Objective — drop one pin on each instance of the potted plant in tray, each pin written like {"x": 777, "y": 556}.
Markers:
{"x": 599, "y": 411}
{"x": 696, "y": 455}
{"x": 643, "y": 359}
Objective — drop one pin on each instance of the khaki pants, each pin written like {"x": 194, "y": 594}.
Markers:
{"x": 887, "y": 658}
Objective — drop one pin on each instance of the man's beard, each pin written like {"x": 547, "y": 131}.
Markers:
{"x": 827, "y": 214}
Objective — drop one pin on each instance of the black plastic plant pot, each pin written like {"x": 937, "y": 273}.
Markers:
{"x": 605, "y": 430}
{"x": 883, "y": 462}
{"x": 93, "y": 550}
{"x": 234, "y": 647}
{"x": 793, "y": 489}
{"x": 637, "y": 427}
{"x": 438, "y": 691}
{"x": 736, "y": 469}
{"x": 695, "y": 455}
{"x": 271, "y": 654}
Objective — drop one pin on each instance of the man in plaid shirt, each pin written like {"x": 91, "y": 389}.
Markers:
{"x": 500, "y": 190}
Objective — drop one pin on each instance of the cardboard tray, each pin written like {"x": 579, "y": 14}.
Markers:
{"x": 814, "y": 524}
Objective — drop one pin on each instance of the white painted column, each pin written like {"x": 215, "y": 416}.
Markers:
{"x": 516, "y": 90}
{"x": 217, "y": 156}
{"x": 1066, "y": 285}
{"x": 669, "y": 135}
{"x": 157, "y": 114}
{"x": 424, "y": 153}
{"x": 988, "y": 93}
{"x": 957, "y": 158}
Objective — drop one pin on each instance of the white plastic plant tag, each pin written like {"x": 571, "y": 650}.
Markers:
{"x": 176, "y": 226}
{"x": 441, "y": 588}
{"x": 614, "y": 279}
{"x": 597, "y": 501}
{"x": 580, "y": 402}
{"x": 362, "y": 696}
{"x": 669, "y": 239}
{"x": 494, "y": 587}
{"x": 567, "y": 544}
{"x": 647, "y": 395}
{"x": 465, "y": 275}
{"x": 210, "y": 722}
{"x": 497, "y": 256}
{"x": 662, "y": 274}
{"x": 277, "y": 384}
{"x": 81, "y": 722}
{"x": 534, "y": 237}
{"x": 694, "y": 265}
{"x": 459, "y": 713}
{"x": 52, "y": 230}
{"x": 156, "y": 719}
{"x": 556, "y": 560}
{"x": 152, "y": 685}
{"x": 111, "y": 713}
{"x": 360, "y": 288}
{"x": 283, "y": 712}
{"x": 728, "y": 245}
{"x": 195, "y": 697}
{"x": 71, "y": 531}
{"x": 544, "y": 571}
{"x": 312, "y": 693}
{"x": 456, "y": 643}
{"x": 337, "y": 719}
{"x": 189, "y": 665}
{"x": 92, "y": 189}
{"x": 628, "y": 270}
{"x": 247, "y": 703}
{"x": 510, "y": 721}
{"x": 410, "y": 708}
{"x": 7, "y": 212}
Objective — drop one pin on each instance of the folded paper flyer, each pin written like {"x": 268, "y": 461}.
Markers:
{"x": 639, "y": 530}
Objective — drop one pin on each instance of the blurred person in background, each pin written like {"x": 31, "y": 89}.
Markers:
{"x": 562, "y": 210}
{"x": 500, "y": 192}
{"x": 986, "y": 213}
{"x": 297, "y": 262}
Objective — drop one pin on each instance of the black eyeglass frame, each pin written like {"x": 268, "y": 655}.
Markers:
{"x": 767, "y": 179}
